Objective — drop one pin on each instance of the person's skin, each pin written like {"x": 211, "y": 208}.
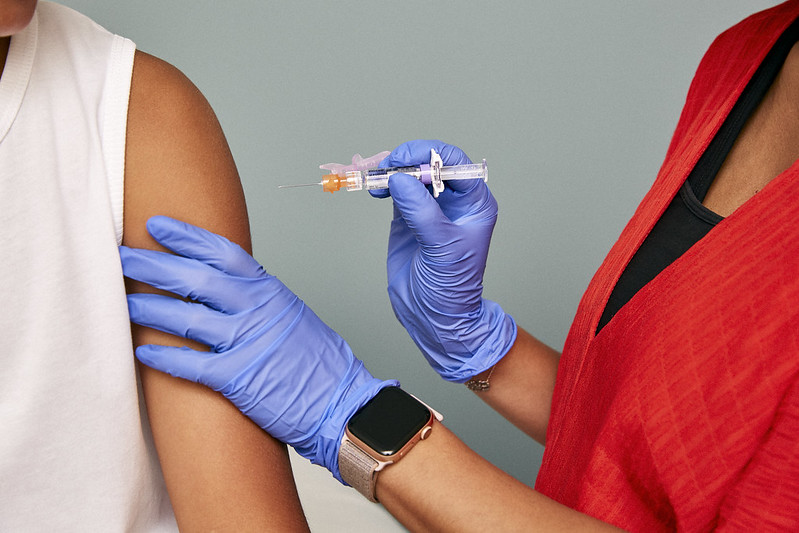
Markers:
{"x": 223, "y": 473}
{"x": 765, "y": 147}
{"x": 14, "y": 16}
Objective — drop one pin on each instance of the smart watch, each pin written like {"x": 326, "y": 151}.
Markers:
{"x": 379, "y": 434}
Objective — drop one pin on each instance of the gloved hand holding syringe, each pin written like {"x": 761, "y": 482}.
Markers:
{"x": 362, "y": 174}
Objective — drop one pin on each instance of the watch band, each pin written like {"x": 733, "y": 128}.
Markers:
{"x": 358, "y": 469}
{"x": 359, "y": 462}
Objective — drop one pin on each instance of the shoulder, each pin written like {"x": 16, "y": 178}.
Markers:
{"x": 161, "y": 96}
{"x": 745, "y": 44}
{"x": 158, "y": 87}
{"x": 728, "y": 64}
{"x": 177, "y": 161}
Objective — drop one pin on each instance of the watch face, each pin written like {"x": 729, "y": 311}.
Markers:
{"x": 389, "y": 420}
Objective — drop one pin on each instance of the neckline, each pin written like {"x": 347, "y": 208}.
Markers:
{"x": 682, "y": 160}
{"x": 696, "y": 207}
{"x": 17, "y": 73}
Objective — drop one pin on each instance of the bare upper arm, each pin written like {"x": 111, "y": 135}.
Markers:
{"x": 222, "y": 471}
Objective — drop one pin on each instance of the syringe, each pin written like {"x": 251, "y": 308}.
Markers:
{"x": 377, "y": 178}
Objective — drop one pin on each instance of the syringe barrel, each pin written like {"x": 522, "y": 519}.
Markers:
{"x": 377, "y": 178}
{"x": 354, "y": 180}
{"x": 466, "y": 172}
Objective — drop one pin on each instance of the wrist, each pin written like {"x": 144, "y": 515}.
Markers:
{"x": 494, "y": 335}
{"x": 482, "y": 381}
{"x": 322, "y": 446}
{"x": 380, "y": 434}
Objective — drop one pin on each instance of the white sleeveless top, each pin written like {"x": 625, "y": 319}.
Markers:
{"x": 75, "y": 447}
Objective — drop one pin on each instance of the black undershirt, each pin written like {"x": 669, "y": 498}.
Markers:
{"x": 686, "y": 220}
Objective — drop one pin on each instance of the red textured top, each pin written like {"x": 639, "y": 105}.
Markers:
{"x": 683, "y": 412}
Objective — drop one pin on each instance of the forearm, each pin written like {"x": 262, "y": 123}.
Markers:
{"x": 442, "y": 485}
{"x": 522, "y": 384}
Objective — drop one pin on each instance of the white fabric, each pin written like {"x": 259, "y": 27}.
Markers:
{"x": 75, "y": 448}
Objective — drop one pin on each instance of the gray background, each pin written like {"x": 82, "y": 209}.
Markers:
{"x": 571, "y": 102}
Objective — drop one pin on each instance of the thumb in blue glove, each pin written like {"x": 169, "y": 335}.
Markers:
{"x": 437, "y": 255}
{"x": 270, "y": 354}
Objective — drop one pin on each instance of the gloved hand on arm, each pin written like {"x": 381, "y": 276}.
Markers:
{"x": 270, "y": 354}
{"x": 437, "y": 255}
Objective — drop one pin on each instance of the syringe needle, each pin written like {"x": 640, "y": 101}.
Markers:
{"x": 300, "y": 185}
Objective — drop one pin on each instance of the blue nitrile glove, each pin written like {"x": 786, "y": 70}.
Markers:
{"x": 270, "y": 354}
{"x": 437, "y": 252}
